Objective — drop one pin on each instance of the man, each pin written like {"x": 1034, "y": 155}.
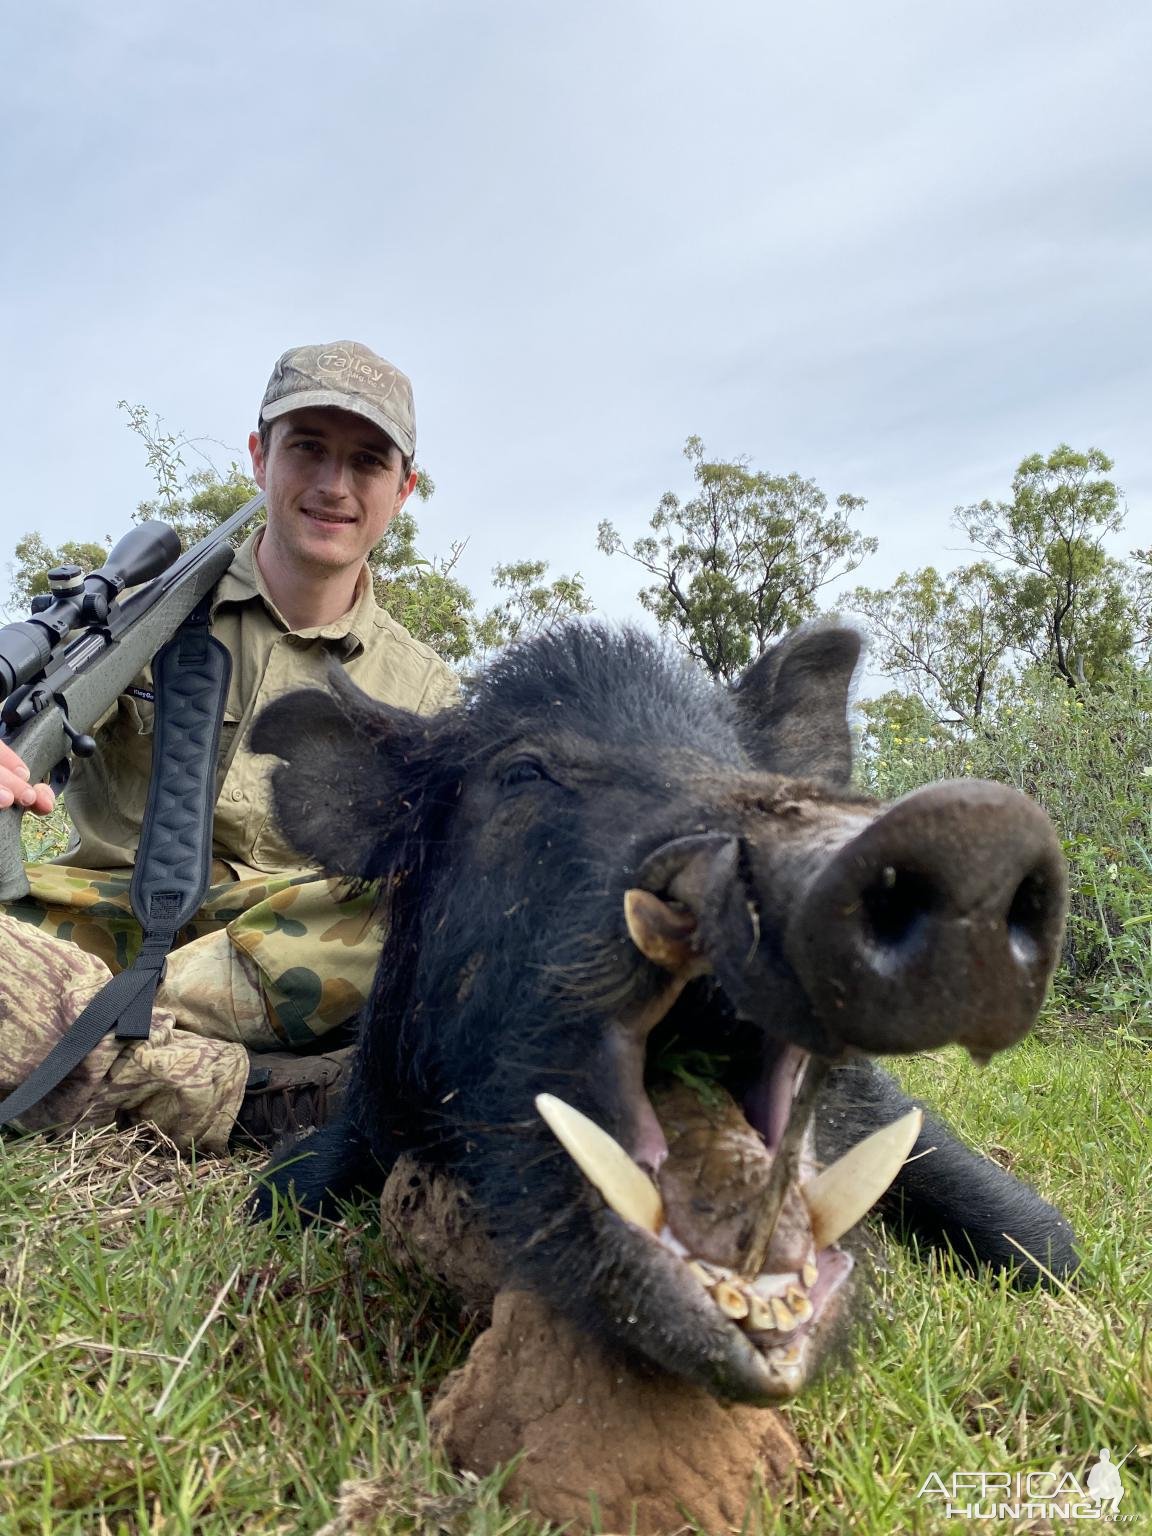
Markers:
{"x": 277, "y": 959}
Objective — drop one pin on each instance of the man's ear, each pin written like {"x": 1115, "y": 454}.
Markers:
{"x": 256, "y": 452}
{"x": 407, "y": 487}
{"x": 338, "y": 787}
{"x": 792, "y": 704}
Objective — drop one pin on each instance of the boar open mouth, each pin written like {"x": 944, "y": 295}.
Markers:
{"x": 858, "y": 940}
{"x": 731, "y": 1190}
{"x": 721, "y": 1172}
{"x": 849, "y": 929}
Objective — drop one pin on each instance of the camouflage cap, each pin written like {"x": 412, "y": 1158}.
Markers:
{"x": 349, "y": 376}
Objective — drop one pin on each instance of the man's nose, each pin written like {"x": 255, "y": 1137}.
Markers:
{"x": 332, "y": 478}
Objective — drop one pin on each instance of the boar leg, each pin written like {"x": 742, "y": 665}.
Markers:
{"x": 951, "y": 1197}
{"x": 319, "y": 1171}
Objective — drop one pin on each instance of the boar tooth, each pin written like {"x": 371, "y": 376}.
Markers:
{"x": 760, "y": 1315}
{"x": 839, "y": 1197}
{"x": 782, "y": 1316}
{"x": 731, "y": 1301}
{"x": 799, "y": 1305}
{"x": 809, "y": 1274}
{"x": 774, "y": 1285}
{"x": 700, "y": 1272}
{"x": 604, "y": 1163}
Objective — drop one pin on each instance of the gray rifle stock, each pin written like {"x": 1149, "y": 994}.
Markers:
{"x": 93, "y": 664}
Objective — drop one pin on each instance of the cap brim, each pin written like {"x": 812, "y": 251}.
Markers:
{"x": 356, "y": 404}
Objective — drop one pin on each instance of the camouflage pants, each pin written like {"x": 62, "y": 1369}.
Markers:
{"x": 267, "y": 964}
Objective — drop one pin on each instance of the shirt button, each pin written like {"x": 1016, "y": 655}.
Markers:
{"x": 237, "y": 794}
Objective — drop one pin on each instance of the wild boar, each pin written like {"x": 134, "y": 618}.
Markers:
{"x": 604, "y": 879}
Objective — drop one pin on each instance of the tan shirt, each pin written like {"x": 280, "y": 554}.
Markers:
{"x": 107, "y": 794}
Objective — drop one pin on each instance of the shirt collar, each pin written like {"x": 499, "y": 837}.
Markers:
{"x": 243, "y": 582}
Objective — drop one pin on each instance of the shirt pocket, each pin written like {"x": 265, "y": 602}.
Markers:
{"x": 229, "y": 740}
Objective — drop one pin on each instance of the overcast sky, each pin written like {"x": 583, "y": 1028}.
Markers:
{"x": 894, "y": 247}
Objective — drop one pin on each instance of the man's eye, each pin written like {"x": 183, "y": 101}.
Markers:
{"x": 370, "y": 462}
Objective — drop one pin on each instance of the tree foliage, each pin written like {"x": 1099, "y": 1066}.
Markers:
{"x": 423, "y": 593}
{"x": 1049, "y": 595}
{"x": 742, "y": 560}
{"x": 946, "y": 638}
{"x": 532, "y": 605}
{"x": 1071, "y": 609}
{"x": 207, "y": 499}
{"x": 35, "y": 557}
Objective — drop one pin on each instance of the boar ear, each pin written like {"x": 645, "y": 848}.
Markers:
{"x": 336, "y": 787}
{"x": 792, "y": 704}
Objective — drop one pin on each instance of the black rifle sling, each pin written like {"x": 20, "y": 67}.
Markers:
{"x": 173, "y": 863}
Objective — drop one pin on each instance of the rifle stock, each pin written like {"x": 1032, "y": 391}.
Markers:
{"x": 83, "y": 687}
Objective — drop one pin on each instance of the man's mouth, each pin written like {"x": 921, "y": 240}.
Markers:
{"x": 739, "y": 1200}
{"x": 326, "y": 517}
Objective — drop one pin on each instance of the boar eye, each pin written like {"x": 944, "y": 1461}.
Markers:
{"x": 525, "y": 770}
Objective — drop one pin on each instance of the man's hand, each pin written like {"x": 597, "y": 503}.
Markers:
{"x": 15, "y": 788}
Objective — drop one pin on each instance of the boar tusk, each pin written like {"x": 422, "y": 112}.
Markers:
{"x": 662, "y": 933}
{"x": 626, "y": 1188}
{"x": 851, "y": 1186}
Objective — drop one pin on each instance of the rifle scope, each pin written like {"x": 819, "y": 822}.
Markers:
{"x": 26, "y": 647}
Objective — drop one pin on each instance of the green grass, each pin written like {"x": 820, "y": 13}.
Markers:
{"x": 958, "y": 1374}
{"x": 164, "y": 1366}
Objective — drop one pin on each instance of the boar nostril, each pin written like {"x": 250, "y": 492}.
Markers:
{"x": 895, "y": 904}
{"x": 1029, "y": 917}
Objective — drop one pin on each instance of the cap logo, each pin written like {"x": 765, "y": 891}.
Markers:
{"x": 362, "y": 370}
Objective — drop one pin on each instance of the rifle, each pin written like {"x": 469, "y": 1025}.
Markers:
{"x": 64, "y": 667}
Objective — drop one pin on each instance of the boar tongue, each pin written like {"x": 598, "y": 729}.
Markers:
{"x": 715, "y": 1177}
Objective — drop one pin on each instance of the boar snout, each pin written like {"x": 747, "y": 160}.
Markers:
{"x": 940, "y": 922}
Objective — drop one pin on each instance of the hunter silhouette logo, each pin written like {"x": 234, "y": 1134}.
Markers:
{"x": 1103, "y": 1481}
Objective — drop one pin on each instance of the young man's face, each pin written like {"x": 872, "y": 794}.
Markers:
{"x": 334, "y": 483}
